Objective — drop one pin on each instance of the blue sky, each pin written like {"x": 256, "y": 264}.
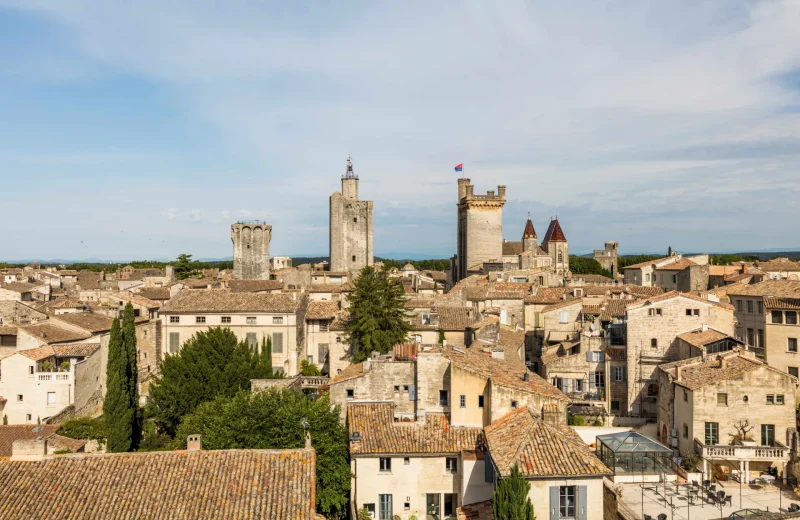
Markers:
{"x": 143, "y": 129}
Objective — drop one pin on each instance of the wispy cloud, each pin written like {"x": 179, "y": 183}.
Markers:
{"x": 171, "y": 213}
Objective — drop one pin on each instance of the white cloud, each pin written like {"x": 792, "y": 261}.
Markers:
{"x": 171, "y": 213}
{"x": 195, "y": 215}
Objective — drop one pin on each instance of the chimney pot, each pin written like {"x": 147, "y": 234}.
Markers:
{"x": 194, "y": 442}
{"x": 722, "y": 362}
{"x": 308, "y": 441}
{"x": 677, "y": 373}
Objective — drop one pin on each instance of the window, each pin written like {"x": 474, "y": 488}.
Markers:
{"x": 767, "y": 434}
{"x": 791, "y": 345}
{"x": 618, "y": 373}
{"x": 277, "y": 320}
{"x": 685, "y": 431}
{"x": 480, "y": 401}
{"x": 396, "y": 388}
{"x": 739, "y": 305}
{"x": 566, "y": 501}
{"x": 277, "y": 342}
{"x": 51, "y": 398}
{"x": 750, "y": 306}
{"x": 712, "y": 433}
{"x": 685, "y": 396}
{"x": 777, "y": 317}
{"x": 793, "y": 371}
{"x": 462, "y": 401}
{"x": 564, "y": 318}
{"x": 647, "y": 277}
{"x": 451, "y": 465}
{"x": 385, "y": 464}
{"x": 770, "y": 399}
{"x": 20, "y": 398}
{"x": 653, "y": 343}
{"x": 351, "y": 393}
{"x": 354, "y": 258}
{"x": 761, "y": 307}
{"x": 597, "y": 379}
{"x": 614, "y": 406}
{"x": 760, "y": 338}
{"x": 355, "y": 220}
{"x": 406, "y": 506}
{"x": 251, "y": 339}
{"x": 432, "y": 505}
{"x": 695, "y": 312}
{"x": 324, "y": 325}
{"x": 28, "y": 417}
{"x": 515, "y": 404}
{"x": 722, "y": 399}
{"x": 751, "y": 337}
{"x": 655, "y": 312}
{"x": 174, "y": 342}
{"x": 251, "y": 320}
{"x": 385, "y": 507}
{"x": 30, "y": 370}
{"x": 310, "y": 360}
{"x": 791, "y": 318}
{"x": 322, "y": 355}
{"x": 226, "y": 320}
{"x": 450, "y": 504}
{"x": 442, "y": 397}
{"x": 174, "y": 319}
{"x": 200, "y": 319}
{"x": 779, "y": 399}
{"x": 370, "y": 509}
{"x": 338, "y": 339}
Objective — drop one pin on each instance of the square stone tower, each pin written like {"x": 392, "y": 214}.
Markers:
{"x": 351, "y": 234}
{"x": 251, "y": 249}
{"x": 608, "y": 257}
{"x": 480, "y": 227}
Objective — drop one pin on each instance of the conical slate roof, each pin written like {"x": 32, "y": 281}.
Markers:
{"x": 554, "y": 233}
{"x": 529, "y": 231}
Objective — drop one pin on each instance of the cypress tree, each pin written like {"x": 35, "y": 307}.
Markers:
{"x": 132, "y": 373}
{"x": 511, "y": 501}
{"x": 266, "y": 356}
{"x": 117, "y": 412}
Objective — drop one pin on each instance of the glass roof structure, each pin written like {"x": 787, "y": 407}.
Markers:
{"x": 633, "y": 455}
{"x": 631, "y": 442}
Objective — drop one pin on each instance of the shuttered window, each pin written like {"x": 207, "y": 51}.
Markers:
{"x": 277, "y": 342}
{"x": 174, "y": 342}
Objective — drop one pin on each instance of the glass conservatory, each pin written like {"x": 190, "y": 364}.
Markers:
{"x": 631, "y": 454}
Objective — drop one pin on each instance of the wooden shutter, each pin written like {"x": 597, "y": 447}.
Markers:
{"x": 488, "y": 471}
{"x": 553, "y": 502}
{"x": 581, "y": 512}
{"x": 412, "y": 392}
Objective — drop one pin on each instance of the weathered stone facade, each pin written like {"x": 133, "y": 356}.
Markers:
{"x": 251, "y": 250}
{"x": 608, "y": 257}
{"x": 351, "y": 227}
{"x": 480, "y": 228}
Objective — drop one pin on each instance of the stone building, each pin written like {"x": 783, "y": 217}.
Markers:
{"x": 556, "y": 245}
{"x": 351, "y": 226}
{"x": 607, "y": 258}
{"x": 480, "y": 229}
{"x": 251, "y": 250}
{"x": 525, "y": 254}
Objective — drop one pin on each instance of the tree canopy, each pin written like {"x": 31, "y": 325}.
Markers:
{"x": 184, "y": 267}
{"x": 276, "y": 419}
{"x": 583, "y": 265}
{"x": 378, "y": 319}
{"x": 121, "y": 411}
{"x": 211, "y": 364}
{"x": 511, "y": 501}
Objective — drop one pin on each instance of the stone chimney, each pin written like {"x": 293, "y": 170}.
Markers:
{"x": 677, "y": 373}
{"x": 501, "y": 191}
{"x": 367, "y": 364}
{"x": 28, "y": 449}
{"x": 308, "y": 441}
{"x": 194, "y": 442}
{"x": 722, "y": 362}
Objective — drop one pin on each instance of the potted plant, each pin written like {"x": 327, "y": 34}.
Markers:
{"x": 743, "y": 436}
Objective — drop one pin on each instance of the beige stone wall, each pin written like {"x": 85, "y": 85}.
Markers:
{"x": 251, "y": 251}
{"x": 470, "y": 386}
{"x": 18, "y": 381}
{"x": 540, "y": 495}
{"x": 433, "y": 375}
{"x": 777, "y": 352}
{"x": 551, "y": 321}
{"x": 351, "y": 229}
{"x": 90, "y": 377}
{"x": 474, "y": 487}
{"x": 502, "y": 400}
{"x": 381, "y": 381}
{"x": 484, "y": 234}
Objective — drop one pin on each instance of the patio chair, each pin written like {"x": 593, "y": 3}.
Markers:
{"x": 713, "y": 488}
{"x": 729, "y": 500}
{"x": 721, "y": 496}
{"x": 662, "y": 516}
{"x": 706, "y": 483}
{"x": 711, "y": 496}
{"x": 648, "y": 517}
{"x": 794, "y": 508}
{"x": 695, "y": 484}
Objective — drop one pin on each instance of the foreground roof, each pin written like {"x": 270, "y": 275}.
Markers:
{"x": 539, "y": 449}
{"x": 222, "y": 300}
{"x": 379, "y": 433}
{"x": 231, "y": 484}
{"x": 322, "y": 310}
{"x": 771, "y": 302}
{"x": 255, "y": 285}
{"x": 73, "y": 350}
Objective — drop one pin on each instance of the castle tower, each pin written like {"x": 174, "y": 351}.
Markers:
{"x": 251, "y": 250}
{"x": 351, "y": 234}
{"x": 529, "y": 236}
{"x": 608, "y": 257}
{"x": 480, "y": 228}
{"x": 556, "y": 245}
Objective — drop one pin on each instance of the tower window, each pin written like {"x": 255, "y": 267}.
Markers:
{"x": 355, "y": 219}
{"x": 354, "y": 258}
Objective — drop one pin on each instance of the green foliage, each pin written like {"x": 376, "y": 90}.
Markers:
{"x": 441, "y": 336}
{"x": 153, "y": 440}
{"x": 363, "y": 514}
{"x": 277, "y": 419}
{"x": 689, "y": 461}
{"x": 730, "y": 259}
{"x": 583, "y": 265}
{"x": 420, "y": 265}
{"x": 5, "y": 419}
{"x": 47, "y": 366}
{"x": 309, "y": 369}
{"x": 62, "y": 452}
{"x": 184, "y": 267}
{"x": 64, "y": 366}
{"x": 378, "y": 319}
{"x": 511, "y": 500}
{"x": 84, "y": 428}
{"x": 211, "y": 364}
{"x": 117, "y": 411}
{"x": 132, "y": 373}
{"x": 576, "y": 420}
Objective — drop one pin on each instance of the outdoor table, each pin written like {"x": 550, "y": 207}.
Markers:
{"x": 769, "y": 479}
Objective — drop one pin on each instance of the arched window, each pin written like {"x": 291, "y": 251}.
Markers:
{"x": 560, "y": 257}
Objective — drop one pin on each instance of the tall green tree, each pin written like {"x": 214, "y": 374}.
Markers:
{"x": 117, "y": 412}
{"x": 511, "y": 501}
{"x": 583, "y": 265}
{"x": 132, "y": 373}
{"x": 276, "y": 419}
{"x": 212, "y": 363}
{"x": 378, "y": 319}
{"x": 184, "y": 267}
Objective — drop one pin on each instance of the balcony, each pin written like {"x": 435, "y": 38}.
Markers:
{"x": 60, "y": 377}
{"x": 778, "y": 452}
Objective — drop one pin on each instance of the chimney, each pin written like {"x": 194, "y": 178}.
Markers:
{"x": 498, "y": 353}
{"x": 367, "y": 364}
{"x": 744, "y": 268}
{"x": 677, "y": 373}
{"x": 704, "y": 327}
{"x": 526, "y": 376}
{"x": 194, "y": 442}
{"x": 308, "y": 441}
{"x": 722, "y": 362}
{"x": 28, "y": 449}
{"x": 501, "y": 191}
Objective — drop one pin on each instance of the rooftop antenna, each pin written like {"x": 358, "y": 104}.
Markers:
{"x": 349, "y": 173}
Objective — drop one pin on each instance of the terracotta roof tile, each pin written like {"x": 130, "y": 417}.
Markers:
{"x": 553, "y": 234}
{"x": 19, "y": 287}
{"x": 647, "y": 263}
{"x": 778, "y": 288}
{"x": 89, "y": 321}
{"x": 699, "y": 372}
{"x": 71, "y": 350}
{"x": 614, "y": 309}
{"x": 155, "y": 293}
{"x": 680, "y": 265}
{"x": 700, "y": 338}
{"x": 477, "y": 511}
{"x": 322, "y": 310}
{"x": 222, "y": 300}
{"x": 771, "y": 302}
{"x": 231, "y": 484}
{"x": 675, "y": 294}
{"x": 331, "y": 287}
{"x": 255, "y": 285}
{"x": 529, "y": 231}
{"x": 511, "y": 248}
{"x": 137, "y": 299}
{"x": 778, "y": 265}
{"x": 350, "y": 372}
{"x": 48, "y": 332}
{"x": 539, "y": 449}
{"x": 10, "y": 433}
{"x": 547, "y": 295}
{"x": 379, "y": 433}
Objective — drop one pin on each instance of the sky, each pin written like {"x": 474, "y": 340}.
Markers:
{"x": 141, "y": 130}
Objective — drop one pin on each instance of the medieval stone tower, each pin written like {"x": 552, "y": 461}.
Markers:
{"x": 556, "y": 245}
{"x": 351, "y": 235}
{"x": 608, "y": 257}
{"x": 251, "y": 250}
{"x": 480, "y": 228}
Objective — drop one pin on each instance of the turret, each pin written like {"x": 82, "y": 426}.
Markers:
{"x": 350, "y": 182}
{"x": 529, "y": 236}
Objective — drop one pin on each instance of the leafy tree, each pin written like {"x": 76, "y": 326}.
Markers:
{"x": 442, "y": 336}
{"x": 212, "y": 363}
{"x": 84, "y": 428}
{"x": 378, "y": 319}
{"x": 583, "y": 265}
{"x": 266, "y": 358}
{"x": 184, "y": 267}
{"x": 117, "y": 411}
{"x": 277, "y": 419}
{"x": 5, "y": 419}
{"x": 309, "y": 369}
{"x": 511, "y": 500}
{"x": 132, "y": 372}
{"x": 153, "y": 440}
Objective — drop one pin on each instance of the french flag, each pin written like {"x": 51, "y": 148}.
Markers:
{"x": 460, "y": 167}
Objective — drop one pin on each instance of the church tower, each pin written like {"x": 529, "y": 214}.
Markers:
{"x": 351, "y": 234}
{"x": 529, "y": 237}
{"x": 556, "y": 245}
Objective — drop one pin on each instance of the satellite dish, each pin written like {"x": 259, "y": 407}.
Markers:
{"x": 592, "y": 327}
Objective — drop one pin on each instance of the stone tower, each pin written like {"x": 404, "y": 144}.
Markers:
{"x": 556, "y": 245}
{"x": 608, "y": 257}
{"x": 480, "y": 228}
{"x": 529, "y": 237}
{"x": 351, "y": 234}
{"x": 251, "y": 250}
